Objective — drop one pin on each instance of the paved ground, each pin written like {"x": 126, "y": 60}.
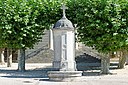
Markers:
{"x": 36, "y": 74}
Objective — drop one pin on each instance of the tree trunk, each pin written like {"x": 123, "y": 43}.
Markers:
{"x": 2, "y": 56}
{"x": 126, "y": 59}
{"x": 122, "y": 60}
{"x": 9, "y": 57}
{"x": 105, "y": 63}
{"x": 21, "y": 60}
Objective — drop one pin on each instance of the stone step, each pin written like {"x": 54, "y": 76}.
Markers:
{"x": 38, "y": 53}
{"x": 94, "y": 66}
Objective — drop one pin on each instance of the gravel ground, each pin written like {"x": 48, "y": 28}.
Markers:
{"x": 36, "y": 74}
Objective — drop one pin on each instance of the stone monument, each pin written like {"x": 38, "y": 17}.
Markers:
{"x": 64, "y": 50}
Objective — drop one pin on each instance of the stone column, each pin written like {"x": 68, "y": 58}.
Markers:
{"x": 50, "y": 39}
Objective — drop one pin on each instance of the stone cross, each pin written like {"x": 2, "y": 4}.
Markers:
{"x": 64, "y": 8}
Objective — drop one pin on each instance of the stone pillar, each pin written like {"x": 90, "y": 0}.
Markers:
{"x": 64, "y": 50}
{"x": 50, "y": 39}
{"x": 57, "y": 51}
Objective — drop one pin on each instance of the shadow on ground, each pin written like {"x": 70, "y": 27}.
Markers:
{"x": 89, "y": 69}
{"x": 34, "y": 73}
{"x": 93, "y": 69}
{"x": 89, "y": 65}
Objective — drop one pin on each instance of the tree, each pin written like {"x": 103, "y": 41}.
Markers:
{"x": 102, "y": 26}
{"x": 124, "y": 26}
{"x": 20, "y": 29}
{"x": 22, "y": 22}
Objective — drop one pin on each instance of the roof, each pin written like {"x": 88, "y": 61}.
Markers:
{"x": 63, "y": 23}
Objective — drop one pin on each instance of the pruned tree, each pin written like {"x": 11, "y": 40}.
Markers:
{"x": 102, "y": 26}
{"x": 22, "y": 23}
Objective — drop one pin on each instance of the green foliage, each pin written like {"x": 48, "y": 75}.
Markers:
{"x": 102, "y": 24}
{"x": 22, "y": 22}
{"x": 18, "y": 23}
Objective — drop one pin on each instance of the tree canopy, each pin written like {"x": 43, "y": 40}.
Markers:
{"x": 22, "y": 22}
{"x": 102, "y": 24}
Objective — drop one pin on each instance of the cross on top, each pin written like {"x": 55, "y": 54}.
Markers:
{"x": 64, "y": 8}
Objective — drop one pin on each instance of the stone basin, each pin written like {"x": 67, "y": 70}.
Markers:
{"x": 64, "y": 75}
